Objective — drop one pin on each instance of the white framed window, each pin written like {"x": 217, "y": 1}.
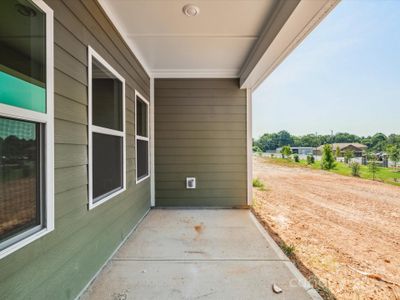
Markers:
{"x": 106, "y": 114}
{"x": 142, "y": 138}
{"x": 26, "y": 124}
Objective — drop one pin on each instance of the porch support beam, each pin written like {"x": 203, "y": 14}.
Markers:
{"x": 249, "y": 123}
{"x": 152, "y": 140}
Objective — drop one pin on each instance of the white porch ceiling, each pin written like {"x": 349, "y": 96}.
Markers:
{"x": 216, "y": 43}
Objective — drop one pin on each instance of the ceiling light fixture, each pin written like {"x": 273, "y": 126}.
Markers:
{"x": 190, "y": 10}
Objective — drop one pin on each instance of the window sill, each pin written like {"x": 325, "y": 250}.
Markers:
{"x": 142, "y": 179}
{"x": 26, "y": 241}
{"x": 106, "y": 198}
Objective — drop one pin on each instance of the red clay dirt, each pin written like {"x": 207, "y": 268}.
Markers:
{"x": 345, "y": 230}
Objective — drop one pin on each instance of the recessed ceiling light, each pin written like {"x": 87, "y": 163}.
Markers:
{"x": 191, "y": 10}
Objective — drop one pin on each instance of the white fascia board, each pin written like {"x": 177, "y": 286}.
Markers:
{"x": 305, "y": 17}
{"x": 114, "y": 19}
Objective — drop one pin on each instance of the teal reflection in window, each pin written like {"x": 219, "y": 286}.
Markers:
{"x": 22, "y": 55}
{"x": 17, "y": 92}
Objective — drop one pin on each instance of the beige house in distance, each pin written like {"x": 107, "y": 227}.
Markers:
{"x": 357, "y": 148}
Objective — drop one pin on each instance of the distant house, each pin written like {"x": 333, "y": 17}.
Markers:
{"x": 299, "y": 150}
{"x": 357, "y": 148}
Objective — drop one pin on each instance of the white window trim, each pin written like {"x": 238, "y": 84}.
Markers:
{"x": 48, "y": 120}
{"x": 97, "y": 129}
{"x": 143, "y": 138}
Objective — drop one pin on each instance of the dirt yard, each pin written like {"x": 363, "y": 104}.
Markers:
{"x": 345, "y": 231}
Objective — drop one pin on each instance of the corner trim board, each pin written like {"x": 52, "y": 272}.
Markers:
{"x": 152, "y": 146}
{"x": 249, "y": 144}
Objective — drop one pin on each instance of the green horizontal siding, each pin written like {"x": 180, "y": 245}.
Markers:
{"x": 61, "y": 263}
{"x": 200, "y": 131}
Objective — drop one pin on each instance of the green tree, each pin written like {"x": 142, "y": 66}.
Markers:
{"x": 348, "y": 155}
{"x": 394, "y": 154}
{"x": 337, "y": 151}
{"x": 328, "y": 161}
{"x": 373, "y": 167}
{"x": 355, "y": 169}
{"x": 373, "y": 164}
{"x": 286, "y": 151}
{"x": 344, "y": 137}
{"x": 267, "y": 141}
{"x": 378, "y": 142}
{"x": 272, "y": 141}
{"x": 394, "y": 139}
{"x": 284, "y": 138}
{"x": 257, "y": 150}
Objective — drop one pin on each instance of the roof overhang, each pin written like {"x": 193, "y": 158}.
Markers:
{"x": 279, "y": 39}
{"x": 247, "y": 42}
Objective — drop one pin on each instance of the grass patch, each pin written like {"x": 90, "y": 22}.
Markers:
{"x": 288, "y": 249}
{"x": 386, "y": 175}
{"x": 257, "y": 183}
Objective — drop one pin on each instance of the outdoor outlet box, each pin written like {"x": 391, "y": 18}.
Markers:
{"x": 190, "y": 182}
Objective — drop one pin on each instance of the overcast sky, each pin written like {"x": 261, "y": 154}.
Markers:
{"x": 345, "y": 76}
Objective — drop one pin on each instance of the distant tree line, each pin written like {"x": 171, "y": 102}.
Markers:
{"x": 14, "y": 149}
{"x": 271, "y": 141}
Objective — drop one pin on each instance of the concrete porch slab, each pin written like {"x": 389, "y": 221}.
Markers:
{"x": 193, "y": 254}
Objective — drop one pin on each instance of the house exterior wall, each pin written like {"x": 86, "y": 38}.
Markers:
{"x": 200, "y": 131}
{"x": 59, "y": 265}
{"x": 356, "y": 151}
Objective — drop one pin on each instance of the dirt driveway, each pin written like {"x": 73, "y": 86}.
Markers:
{"x": 340, "y": 227}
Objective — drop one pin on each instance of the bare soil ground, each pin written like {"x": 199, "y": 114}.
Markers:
{"x": 17, "y": 204}
{"x": 345, "y": 230}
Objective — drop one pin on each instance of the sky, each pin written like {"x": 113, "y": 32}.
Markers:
{"x": 344, "y": 77}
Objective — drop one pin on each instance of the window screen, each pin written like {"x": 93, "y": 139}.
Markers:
{"x": 107, "y": 164}
{"x": 20, "y": 205}
{"x": 106, "y": 131}
{"x": 142, "y": 139}
{"x": 142, "y": 158}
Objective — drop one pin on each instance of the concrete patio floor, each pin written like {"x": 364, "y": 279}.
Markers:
{"x": 202, "y": 253}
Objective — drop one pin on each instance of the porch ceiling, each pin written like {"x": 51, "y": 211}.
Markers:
{"x": 226, "y": 39}
{"x": 217, "y": 40}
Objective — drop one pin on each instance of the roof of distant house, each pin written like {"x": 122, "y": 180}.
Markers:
{"x": 345, "y": 145}
{"x": 299, "y": 148}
